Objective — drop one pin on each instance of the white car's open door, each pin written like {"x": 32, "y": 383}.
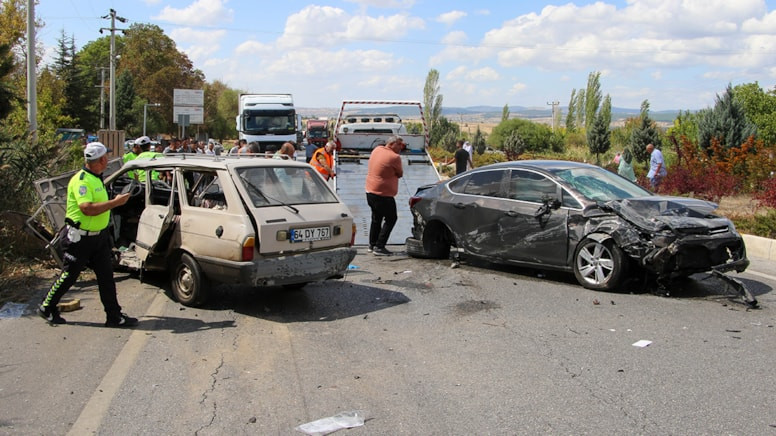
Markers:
{"x": 156, "y": 218}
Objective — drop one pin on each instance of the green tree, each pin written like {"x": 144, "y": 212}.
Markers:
{"x": 536, "y": 137}
{"x": 157, "y": 68}
{"x": 598, "y": 135}
{"x": 93, "y": 59}
{"x": 571, "y": 115}
{"x": 580, "y": 109}
{"x": 645, "y": 133}
{"x": 432, "y": 99}
{"x": 760, "y": 108}
{"x": 514, "y": 145}
{"x": 77, "y": 87}
{"x": 685, "y": 125}
{"x": 478, "y": 141}
{"x": 505, "y": 113}
{"x": 126, "y": 105}
{"x": 444, "y": 134}
{"x": 725, "y": 122}
{"x": 592, "y": 97}
{"x": 8, "y": 93}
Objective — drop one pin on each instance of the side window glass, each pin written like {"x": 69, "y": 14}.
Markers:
{"x": 530, "y": 186}
{"x": 160, "y": 190}
{"x": 203, "y": 189}
{"x": 458, "y": 184}
{"x": 485, "y": 183}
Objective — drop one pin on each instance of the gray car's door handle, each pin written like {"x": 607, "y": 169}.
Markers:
{"x": 511, "y": 213}
{"x": 460, "y": 206}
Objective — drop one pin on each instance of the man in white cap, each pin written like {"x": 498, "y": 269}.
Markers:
{"x": 86, "y": 240}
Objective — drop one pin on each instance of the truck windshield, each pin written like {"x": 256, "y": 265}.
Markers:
{"x": 263, "y": 122}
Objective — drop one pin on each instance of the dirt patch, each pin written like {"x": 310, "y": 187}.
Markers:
{"x": 739, "y": 205}
{"x": 473, "y": 306}
{"x": 22, "y": 282}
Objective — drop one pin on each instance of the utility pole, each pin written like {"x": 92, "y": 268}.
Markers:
{"x": 554, "y": 105}
{"x": 32, "y": 86}
{"x": 145, "y": 114}
{"x": 113, "y": 17}
{"x": 102, "y": 96}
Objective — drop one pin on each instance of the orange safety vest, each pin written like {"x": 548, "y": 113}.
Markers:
{"x": 321, "y": 151}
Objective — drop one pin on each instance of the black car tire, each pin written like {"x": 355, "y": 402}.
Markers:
{"x": 599, "y": 265}
{"x": 428, "y": 248}
{"x": 189, "y": 285}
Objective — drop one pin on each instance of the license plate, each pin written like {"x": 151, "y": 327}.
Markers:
{"x": 310, "y": 234}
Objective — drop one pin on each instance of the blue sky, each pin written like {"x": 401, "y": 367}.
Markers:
{"x": 676, "y": 54}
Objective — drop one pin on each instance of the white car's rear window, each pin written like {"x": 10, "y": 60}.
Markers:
{"x": 273, "y": 186}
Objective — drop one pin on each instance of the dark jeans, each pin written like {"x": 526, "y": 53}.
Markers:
{"x": 94, "y": 252}
{"x": 383, "y": 219}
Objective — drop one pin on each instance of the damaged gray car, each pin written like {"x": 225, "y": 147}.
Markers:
{"x": 574, "y": 217}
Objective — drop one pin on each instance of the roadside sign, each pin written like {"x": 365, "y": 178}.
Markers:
{"x": 196, "y": 114}
{"x": 188, "y": 97}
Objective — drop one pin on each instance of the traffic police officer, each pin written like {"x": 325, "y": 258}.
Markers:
{"x": 86, "y": 240}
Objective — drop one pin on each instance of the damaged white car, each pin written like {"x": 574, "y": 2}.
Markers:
{"x": 238, "y": 220}
{"x": 574, "y": 217}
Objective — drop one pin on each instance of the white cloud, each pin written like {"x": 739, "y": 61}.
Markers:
{"x": 657, "y": 75}
{"x": 455, "y": 38}
{"x": 517, "y": 88}
{"x": 385, "y": 4}
{"x": 639, "y": 35}
{"x": 449, "y": 18}
{"x": 336, "y": 26}
{"x": 252, "y": 48}
{"x": 199, "y": 13}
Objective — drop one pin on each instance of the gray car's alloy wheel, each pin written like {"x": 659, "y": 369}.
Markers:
{"x": 189, "y": 285}
{"x": 599, "y": 265}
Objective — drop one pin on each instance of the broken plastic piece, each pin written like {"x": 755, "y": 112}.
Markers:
{"x": 331, "y": 424}
{"x": 642, "y": 343}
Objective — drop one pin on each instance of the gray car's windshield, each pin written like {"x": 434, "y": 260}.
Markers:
{"x": 598, "y": 184}
{"x": 276, "y": 186}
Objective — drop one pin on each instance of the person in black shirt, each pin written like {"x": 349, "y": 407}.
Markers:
{"x": 462, "y": 158}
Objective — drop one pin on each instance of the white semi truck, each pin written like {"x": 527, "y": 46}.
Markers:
{"x": 269, "y": 119}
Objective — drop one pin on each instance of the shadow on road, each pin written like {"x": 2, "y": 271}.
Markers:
{"x": 324, "y": 301}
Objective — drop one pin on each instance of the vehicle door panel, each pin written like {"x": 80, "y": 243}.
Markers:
{"x": 541, "y": 239}
{"x": 474, "y": 208}
{"x": 157, "y": 217}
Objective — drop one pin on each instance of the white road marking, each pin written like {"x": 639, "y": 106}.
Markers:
{"x": 91, "y": 416}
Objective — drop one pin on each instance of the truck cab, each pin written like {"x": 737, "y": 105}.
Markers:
{"x": 269, "y": 119}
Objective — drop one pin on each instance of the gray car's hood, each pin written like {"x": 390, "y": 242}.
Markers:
{"x": 661, "y": 213}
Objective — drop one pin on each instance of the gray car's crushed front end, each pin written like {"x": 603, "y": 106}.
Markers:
{"x": 674, "y": 237}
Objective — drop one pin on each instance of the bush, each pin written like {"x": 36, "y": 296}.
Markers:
{"x": 766, "y": 196}
{"x": 760, "y": 225}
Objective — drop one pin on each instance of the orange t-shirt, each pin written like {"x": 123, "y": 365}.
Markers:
{"x": 383, "y": 172}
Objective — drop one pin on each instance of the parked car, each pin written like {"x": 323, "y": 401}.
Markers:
{"x": 241, "y": 220}
{"x": 574, "y": 217}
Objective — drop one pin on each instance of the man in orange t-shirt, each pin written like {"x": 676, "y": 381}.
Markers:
{"x": 382, "y": 185}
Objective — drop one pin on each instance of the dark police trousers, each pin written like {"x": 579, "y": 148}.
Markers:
{"x": 94, "y": 252}
{"x": 383, "y": 218}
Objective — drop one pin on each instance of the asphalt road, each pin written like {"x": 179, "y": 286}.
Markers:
{"x": 417, "y": 346}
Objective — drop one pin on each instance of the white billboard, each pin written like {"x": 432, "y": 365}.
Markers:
{"x": 196, "y": 114}
{"x": 188, "y": 97}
